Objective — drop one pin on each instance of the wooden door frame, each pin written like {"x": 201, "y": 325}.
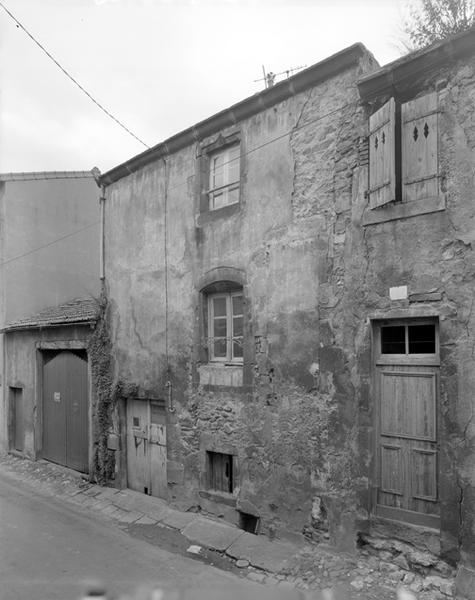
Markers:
{"x": 38, "y": 412}
{"x": 377, "y": 362}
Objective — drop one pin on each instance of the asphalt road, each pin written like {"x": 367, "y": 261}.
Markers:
{"x": 48, "y": 551}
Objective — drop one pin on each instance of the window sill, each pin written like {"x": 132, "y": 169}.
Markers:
{"x": 221, "y": 375}
{"x": 208, "y": 215}
{"x": 428, "y": 360}
{"x": 403, "y": 210}
{"x": 221, "y": 497}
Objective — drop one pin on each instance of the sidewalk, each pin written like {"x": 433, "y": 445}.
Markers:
{"x": 256, "y": 557}
{"x": 127, "y": 507}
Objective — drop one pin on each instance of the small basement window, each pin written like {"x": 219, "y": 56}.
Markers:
{"x": 220, "y": 472}
{"x": 249, "y": 523}
{"x": 408, "y": 339}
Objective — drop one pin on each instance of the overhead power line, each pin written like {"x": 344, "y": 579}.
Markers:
{"x": 186, "y": 181}
{"x": 55, "y": 241}
{"x": 70, "y": 76}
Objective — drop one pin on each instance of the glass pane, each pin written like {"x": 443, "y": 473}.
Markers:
{"x": 393, "y": 340}
{"x": 237, "y": 348}
{"x": 217, "y": 171}
{"x": 237, "y": 305}
{"x": 237, "y": 326}
{"x": 220, "y": 329}
{"x": 234, "y": 152}
{"x": 232, "y": 196}
{"x": 220, "y": 348}
{"x": 220, "y": 199}
{"x": 219, "y": 307}
{"x": 421, "y": 339}
{"x": 233, "y": 166}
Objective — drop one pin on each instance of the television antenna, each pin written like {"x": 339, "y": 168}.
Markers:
{"x": 269, "y": 78}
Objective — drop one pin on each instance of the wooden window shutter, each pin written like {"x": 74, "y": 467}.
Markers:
{"x": 419, "y": 132}
{"x": 382, "y": 167}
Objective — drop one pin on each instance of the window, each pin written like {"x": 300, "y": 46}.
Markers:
{"x": 403, "y": 146}
{"x": 225, "y": 327}
{"x": 224, "y": 169}
{"x": 220, "y": 472}
{"x": 418, "y": 338}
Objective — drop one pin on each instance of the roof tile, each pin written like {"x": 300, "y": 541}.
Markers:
{"x": 76, "y": 311}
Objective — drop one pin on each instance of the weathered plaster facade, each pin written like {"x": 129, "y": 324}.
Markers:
{"x": 315, "y": 265}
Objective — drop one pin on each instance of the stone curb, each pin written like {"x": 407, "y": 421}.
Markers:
{"x": 127, "y": 507}
{"x": 261, "y": 559}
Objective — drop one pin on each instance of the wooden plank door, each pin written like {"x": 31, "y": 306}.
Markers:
{"x": 65, "y": 410}
{"x": 77, "y": 421}
{"x": 408, "y": 487}
{"x": 158, "y": 450}
{"x": 54, "y": 409}
{"x": 138, "y": 452}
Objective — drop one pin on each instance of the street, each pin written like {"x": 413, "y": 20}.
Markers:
{"x": 49, "y": 550}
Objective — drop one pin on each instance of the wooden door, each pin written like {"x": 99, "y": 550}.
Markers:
{"x": 77, "y": 421}
{"x": 407, "y": 444}
{"x": 138, "y": 455}
{"x": 65, "y": 410}
{"x": 147, "y": 447}
{"x": 158, "y": 450}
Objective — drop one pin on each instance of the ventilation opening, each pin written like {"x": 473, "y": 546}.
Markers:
{"x": 249, "y": 523}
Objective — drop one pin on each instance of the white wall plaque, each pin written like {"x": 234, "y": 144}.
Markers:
{"x": 398, "y": 293}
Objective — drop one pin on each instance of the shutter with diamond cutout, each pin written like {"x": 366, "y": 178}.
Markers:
{"x": 382, "y": 170}
{"x": 419, "y": 148}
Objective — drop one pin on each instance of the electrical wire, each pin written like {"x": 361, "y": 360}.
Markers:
{"x": 268, "y": 142}
{"x": 33, "y": 250}
{"x": 184, "y": 182}
{"x": 70, "y": 76}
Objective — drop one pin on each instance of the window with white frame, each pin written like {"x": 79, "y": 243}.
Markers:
{"x": 224, "y": 169}
{"x": 225, "y": 327}
{"x": 403, "y": 151}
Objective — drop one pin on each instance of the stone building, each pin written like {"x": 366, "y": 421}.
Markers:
{"x": 49, "y": 248}
{"x": 289, "y": 306}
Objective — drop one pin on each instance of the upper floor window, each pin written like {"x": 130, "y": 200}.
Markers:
{"x": 225, "y": 327}
{"x": 224, "y": 169}
{"x": 403, "y": 151}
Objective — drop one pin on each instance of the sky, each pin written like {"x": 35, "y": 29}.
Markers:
{"x": 158, "y": 66}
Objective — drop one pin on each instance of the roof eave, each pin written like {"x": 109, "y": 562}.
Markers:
{"x": 245, "y": 108}
{"x": 408, "y": 69}
{"x": 46, "y": 325}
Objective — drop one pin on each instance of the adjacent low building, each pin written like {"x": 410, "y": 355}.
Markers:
{"x": 48, "y": 375}
{"x": 49, "y": 248}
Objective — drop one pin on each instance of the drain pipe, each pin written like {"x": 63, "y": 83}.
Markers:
{"x": 102, "y": 203}
{"x": 102, "y": 200}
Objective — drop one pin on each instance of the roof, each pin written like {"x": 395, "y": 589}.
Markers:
{"x": 409, "y": 68}
{"x": 82, "y": 311}
{"x": 303, "y": 80}
{"x": 39, "y": 175}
